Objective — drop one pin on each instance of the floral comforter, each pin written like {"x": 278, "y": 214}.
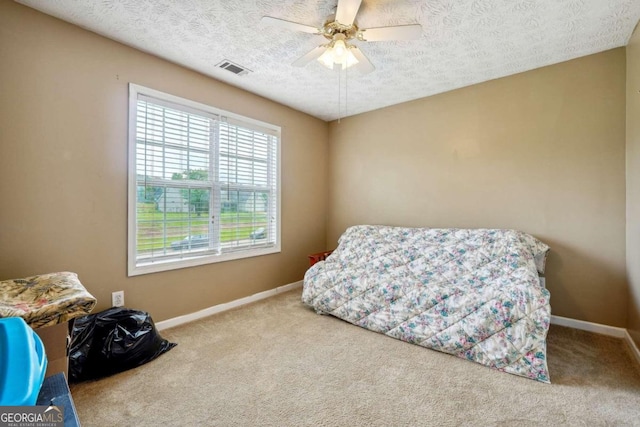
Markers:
{"x": 45, "y": 300}
{"x": 473, "y": 293}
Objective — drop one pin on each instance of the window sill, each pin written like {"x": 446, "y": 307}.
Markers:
{"x": 158, "y": 266}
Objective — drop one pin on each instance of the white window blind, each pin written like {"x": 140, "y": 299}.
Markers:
{"x": 205, "y": 184}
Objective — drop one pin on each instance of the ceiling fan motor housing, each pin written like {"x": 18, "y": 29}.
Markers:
{"x": 330, "y": 29}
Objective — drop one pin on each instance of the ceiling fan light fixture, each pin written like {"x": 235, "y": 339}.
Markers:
{"x": 338, "y": 52}
{"x": 350, "y": 59}
{"x": 326, "y": 58}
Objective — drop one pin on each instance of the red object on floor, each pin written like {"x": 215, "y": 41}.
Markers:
{"x": 320, "y": 256}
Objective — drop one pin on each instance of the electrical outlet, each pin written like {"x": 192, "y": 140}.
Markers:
{"x": 117, "y": 299}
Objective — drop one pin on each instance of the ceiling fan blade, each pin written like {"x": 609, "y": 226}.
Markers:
{"x": 400, "y": 32}
{"x": 347, "y": 10}
{"x": 364, "y": 65}
{"x": 277, "y": 22}
{"x": 310, "y": 56}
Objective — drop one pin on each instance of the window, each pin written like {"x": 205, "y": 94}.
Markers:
{"x": 204, "y": 185}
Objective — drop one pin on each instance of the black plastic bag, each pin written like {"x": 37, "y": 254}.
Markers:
{"x": 113, "y": 341}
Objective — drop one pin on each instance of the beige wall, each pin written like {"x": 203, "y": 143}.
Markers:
{"x": 542, "y": 151}
{"x": 633, "y": 183}
{"x": 63, "y": 157}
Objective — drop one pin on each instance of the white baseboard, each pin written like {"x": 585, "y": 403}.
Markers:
{"x": 632, "y": 346}
{"x": 599, "y": 329}
{"x": 612, "y": 331}
{"x": 180, "y": 320}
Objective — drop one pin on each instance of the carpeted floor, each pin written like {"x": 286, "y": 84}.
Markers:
{"x": 277, "y": 363}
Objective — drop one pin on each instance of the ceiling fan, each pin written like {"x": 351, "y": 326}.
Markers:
{"x": 340, "y": 30}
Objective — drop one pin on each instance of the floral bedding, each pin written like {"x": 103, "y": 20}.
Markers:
{"x": 473, "y": 293}
{"x": 45, "y": 300}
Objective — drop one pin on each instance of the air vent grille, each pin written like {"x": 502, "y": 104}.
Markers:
{"x": 236, "y": 69}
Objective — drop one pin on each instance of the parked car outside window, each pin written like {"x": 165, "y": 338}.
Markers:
{"x": 259, "y": 233}
{"x": 191, "y": 242}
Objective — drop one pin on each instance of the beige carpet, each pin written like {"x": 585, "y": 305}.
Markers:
{"x": 277, "y": 363}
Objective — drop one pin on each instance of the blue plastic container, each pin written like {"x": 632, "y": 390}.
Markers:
{"x": 23, "y": 363}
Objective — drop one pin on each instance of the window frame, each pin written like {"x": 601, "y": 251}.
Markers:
{"x": 191, "y": 260}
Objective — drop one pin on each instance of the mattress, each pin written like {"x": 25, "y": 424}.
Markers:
{"x": 472, "y": 293}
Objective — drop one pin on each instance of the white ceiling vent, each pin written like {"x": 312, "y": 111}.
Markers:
{"x": 236, "y": 69}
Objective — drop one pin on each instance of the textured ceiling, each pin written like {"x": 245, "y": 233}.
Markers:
{"x": 463, "y": 42}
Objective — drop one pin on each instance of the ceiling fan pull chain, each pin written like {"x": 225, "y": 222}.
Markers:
{"x": 339, "y": 95}
{"x": 346, "y": 92}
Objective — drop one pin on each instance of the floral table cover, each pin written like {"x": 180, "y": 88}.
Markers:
{"x": 46, "y": 299}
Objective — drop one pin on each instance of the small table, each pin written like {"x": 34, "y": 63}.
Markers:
{"x": 55, "y": 392}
